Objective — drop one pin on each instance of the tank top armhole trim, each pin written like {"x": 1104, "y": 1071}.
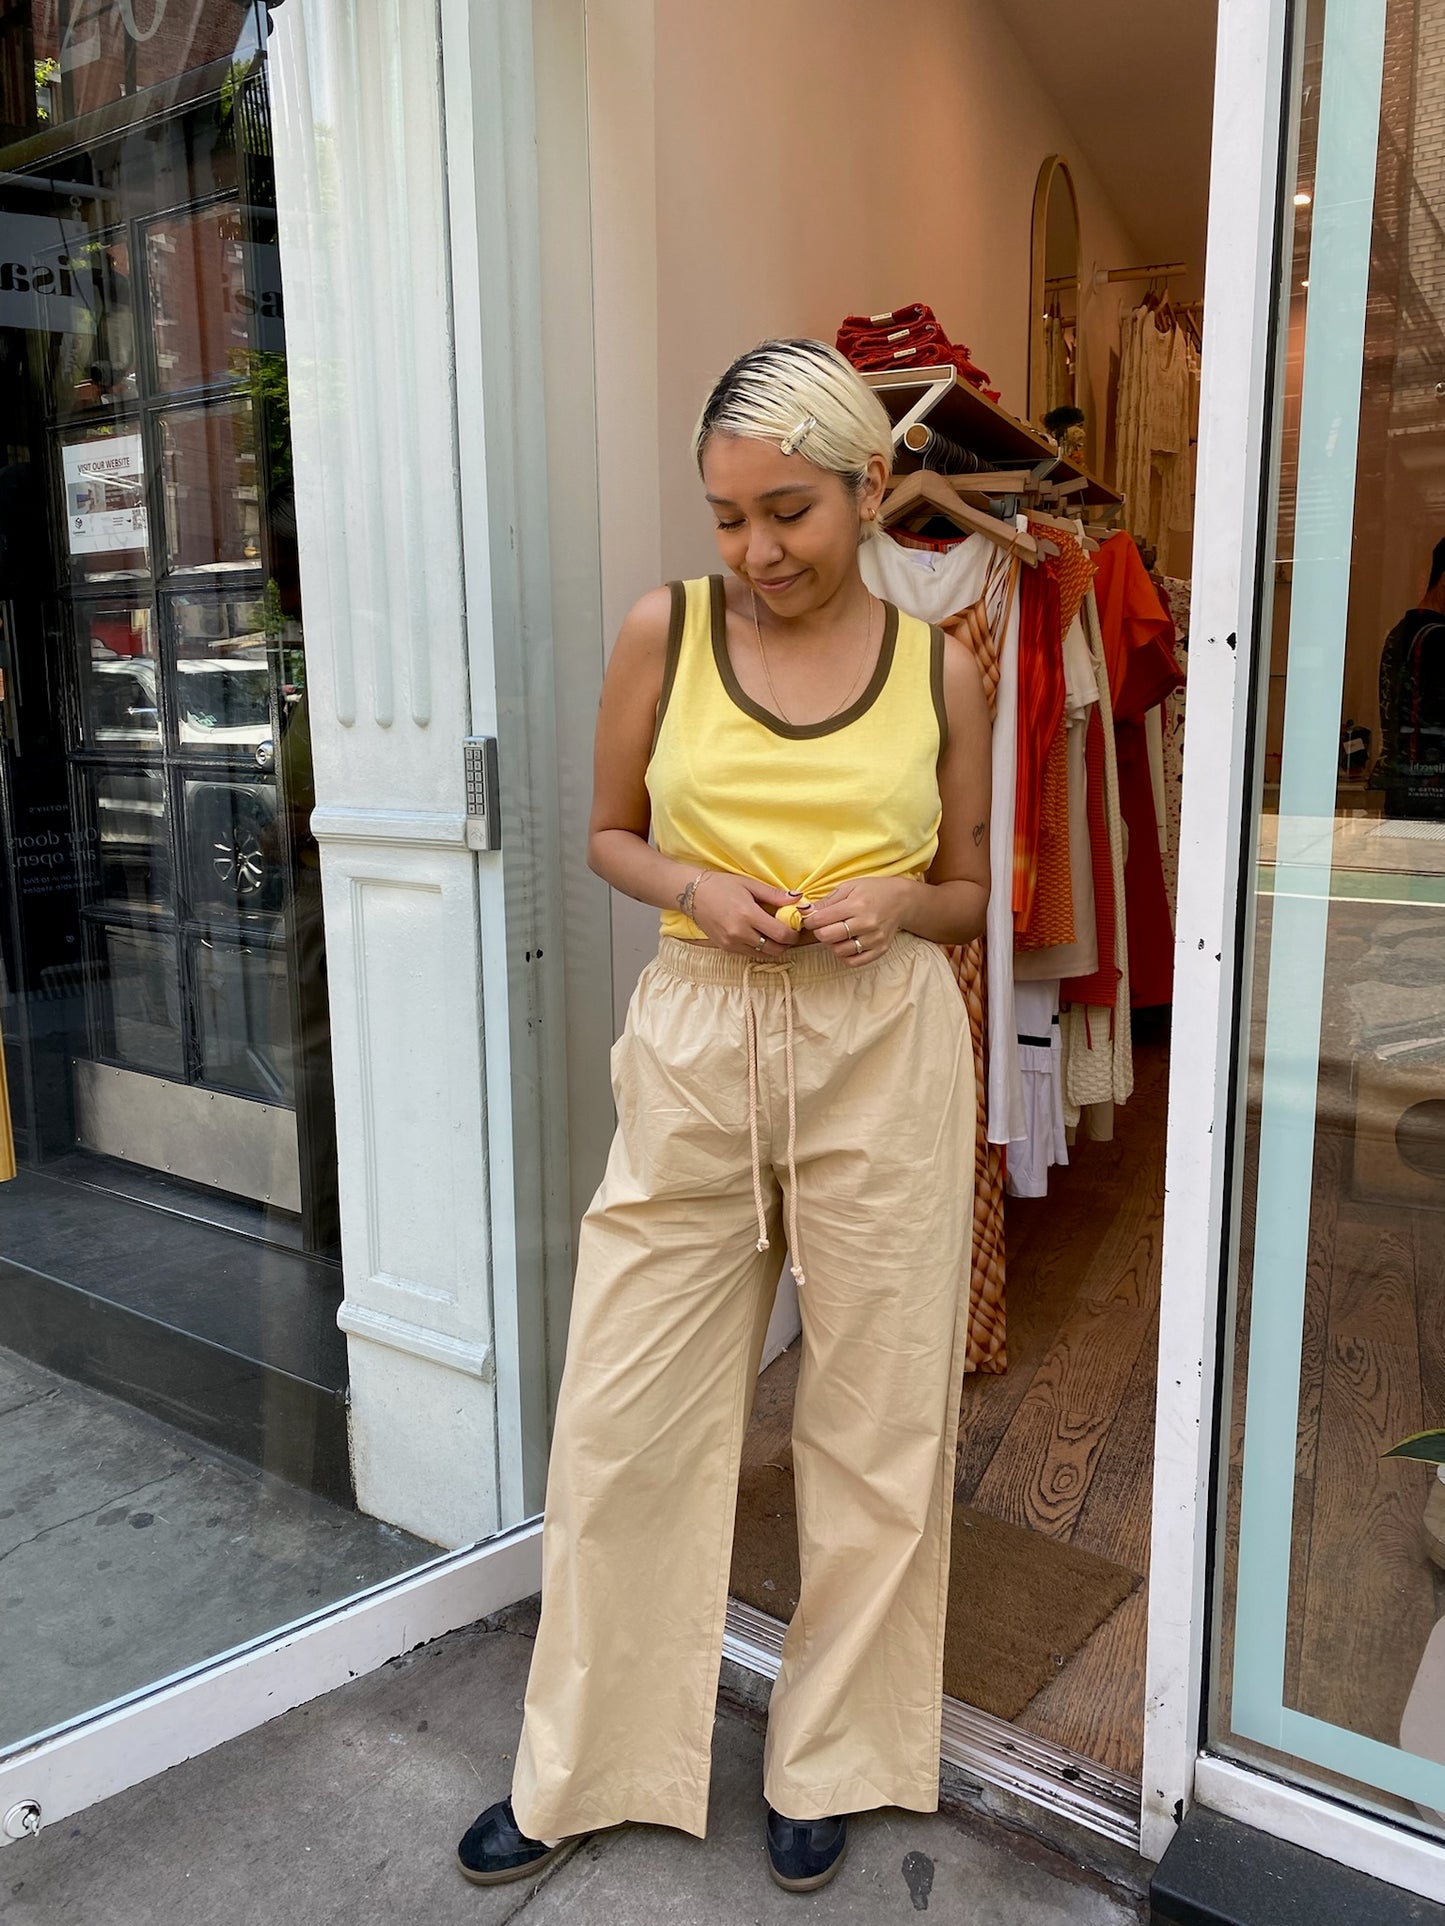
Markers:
{"x": 935, "y": 678}
{"x": 676, "y": 623}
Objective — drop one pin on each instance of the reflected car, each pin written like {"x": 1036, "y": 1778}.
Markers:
{"x": 219, "y": 704}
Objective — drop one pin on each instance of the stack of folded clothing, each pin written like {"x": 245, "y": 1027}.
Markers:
{"x": 907, "y": 337}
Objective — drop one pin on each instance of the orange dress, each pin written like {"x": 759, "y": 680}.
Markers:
{"x": 1051, "y": 921}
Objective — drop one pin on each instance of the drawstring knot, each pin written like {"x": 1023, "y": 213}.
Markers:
{"x": 750, "y": 1022}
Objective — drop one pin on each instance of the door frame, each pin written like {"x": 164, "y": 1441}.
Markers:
{"x": 1241, "y": 411}
{"x": 1237, "y": 413}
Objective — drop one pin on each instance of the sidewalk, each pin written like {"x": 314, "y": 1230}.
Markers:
{"x": 130, "y": 1551}
{"x": 348, "y": 1811}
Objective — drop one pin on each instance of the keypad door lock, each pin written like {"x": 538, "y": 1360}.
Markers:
{"x": 484, "y": 794}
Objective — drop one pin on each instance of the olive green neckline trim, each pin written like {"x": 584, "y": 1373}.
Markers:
{"x": 797, "y": 730}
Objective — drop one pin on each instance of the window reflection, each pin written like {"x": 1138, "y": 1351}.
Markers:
{"x": 164, "y": 985}
{"x": 131, "y": 846}
{"x": 232, "y": 839}
{"x": 91, "y": 312}
{"x": 142, "y": 999}
{"x": 199, "y": 301}
{"x": 241, "y": 1018}
{"x": 212, "y": 500}
{"x": 118, "y": 672}
{"x": 223, "y": 675}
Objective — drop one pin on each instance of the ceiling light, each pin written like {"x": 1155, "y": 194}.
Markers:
{"x": 1303, "y": 198}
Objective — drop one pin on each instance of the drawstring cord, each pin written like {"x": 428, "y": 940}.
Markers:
{"x": 750, "y": 1025}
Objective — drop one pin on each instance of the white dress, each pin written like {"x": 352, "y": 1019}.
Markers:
{"x": 1041, "y": 1059}
{"x": 934, "y": 585}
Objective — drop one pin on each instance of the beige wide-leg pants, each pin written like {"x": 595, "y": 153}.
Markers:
{"x": 874, "y": 1070}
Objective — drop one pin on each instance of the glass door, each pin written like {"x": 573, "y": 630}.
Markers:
{"x": 175, "y": 1475}
{"x": 1330, "y": 1641}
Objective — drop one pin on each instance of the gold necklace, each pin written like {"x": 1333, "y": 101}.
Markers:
{"x": 852, "y": 686}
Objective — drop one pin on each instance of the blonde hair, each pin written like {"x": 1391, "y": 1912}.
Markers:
{"x": 807, "y": 398}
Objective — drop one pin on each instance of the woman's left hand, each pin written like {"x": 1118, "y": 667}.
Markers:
{"x": 859, "y": 920}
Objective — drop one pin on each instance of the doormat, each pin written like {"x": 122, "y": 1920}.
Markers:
{"x": 1019, "y": 1604}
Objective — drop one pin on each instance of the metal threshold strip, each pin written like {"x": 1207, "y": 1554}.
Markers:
{"x": 987, "y": 1749}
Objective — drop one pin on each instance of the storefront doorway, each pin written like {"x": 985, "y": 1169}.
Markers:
{"x": 1101, "y": 203}
{"x": 919, "y": 154}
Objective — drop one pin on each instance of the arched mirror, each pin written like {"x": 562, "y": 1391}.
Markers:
{"x": 1054, "y": 292}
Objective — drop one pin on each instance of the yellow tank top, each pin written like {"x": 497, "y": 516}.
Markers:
{"x": 801, "y": 805}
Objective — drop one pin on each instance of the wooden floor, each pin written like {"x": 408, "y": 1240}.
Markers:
{"x": 1063, "y": 1442}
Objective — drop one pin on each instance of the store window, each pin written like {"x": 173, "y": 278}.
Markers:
{"x": 1330, "y": 1638}
{"x": 173, "y": 1385}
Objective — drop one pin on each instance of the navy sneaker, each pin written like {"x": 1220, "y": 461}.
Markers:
{"x": 804, "y": 1854}
{"x": 493, "y": 1851}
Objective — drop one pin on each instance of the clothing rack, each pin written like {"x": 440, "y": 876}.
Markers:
{"x": 1018, "y": 467}
{"x": 1150, "y": 271}
{"x": 940, "y": 496}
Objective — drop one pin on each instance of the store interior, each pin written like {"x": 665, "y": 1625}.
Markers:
{"x": 1024, "y": 174}
{"x": 1038, "y": 180}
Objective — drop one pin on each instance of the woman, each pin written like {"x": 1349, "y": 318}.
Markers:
{"x": 813, "y": 769}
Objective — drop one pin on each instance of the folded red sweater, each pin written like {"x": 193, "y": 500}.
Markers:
{"x": 912, "y": 334}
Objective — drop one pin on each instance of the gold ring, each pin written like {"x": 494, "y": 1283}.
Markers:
{"x": 762, "y": 942}
{"x": 857, "y": 946}
{"x": 849, "y": 927}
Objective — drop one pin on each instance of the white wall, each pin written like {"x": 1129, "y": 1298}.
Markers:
{"x": 765, "y": 168}
{"x": 822, "y": 157}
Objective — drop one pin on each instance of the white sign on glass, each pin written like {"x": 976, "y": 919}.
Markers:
{"x": 104, "y": 494}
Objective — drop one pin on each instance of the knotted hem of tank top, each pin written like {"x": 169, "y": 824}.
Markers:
{"x": 750, "y": 1025}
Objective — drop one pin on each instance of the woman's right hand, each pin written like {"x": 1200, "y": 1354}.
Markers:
{"x": 734, "y": 912}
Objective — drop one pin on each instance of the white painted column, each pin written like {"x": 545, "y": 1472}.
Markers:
{"x": 361, "y": 173}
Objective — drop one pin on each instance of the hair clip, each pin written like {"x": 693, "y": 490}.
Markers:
{"x": 790, "y": 444}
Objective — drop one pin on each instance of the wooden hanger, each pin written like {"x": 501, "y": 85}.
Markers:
{"x": 925, "y": 487}
{"x": 1068, "y": 527}
{"x": 1158, "y": 302}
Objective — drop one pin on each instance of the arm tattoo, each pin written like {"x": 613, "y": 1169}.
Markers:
{"x": 978, "y": 830}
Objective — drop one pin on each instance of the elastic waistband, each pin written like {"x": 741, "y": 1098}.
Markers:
{"x": 809, "y": 963}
